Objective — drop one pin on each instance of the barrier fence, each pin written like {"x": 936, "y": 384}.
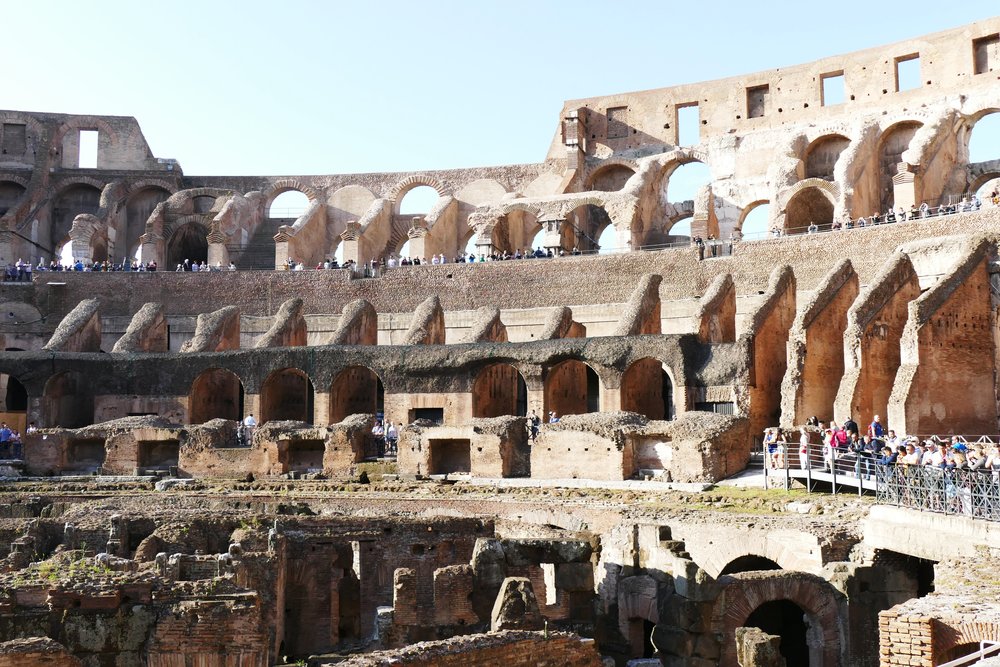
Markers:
{"x": 971, "y": 492}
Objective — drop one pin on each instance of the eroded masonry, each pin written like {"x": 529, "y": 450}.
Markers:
{"x": 144, "y": 526}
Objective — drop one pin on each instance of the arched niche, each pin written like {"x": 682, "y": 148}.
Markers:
{"x": 499, "y": 390}
{"x": 216, "y": 393}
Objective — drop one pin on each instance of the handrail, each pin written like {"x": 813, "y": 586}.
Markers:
{"x": 987, "y": 649}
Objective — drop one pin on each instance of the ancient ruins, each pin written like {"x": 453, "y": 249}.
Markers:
{"x": 142, "y": 524}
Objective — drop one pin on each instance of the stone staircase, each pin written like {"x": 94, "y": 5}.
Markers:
{"x": 259, "y": 252}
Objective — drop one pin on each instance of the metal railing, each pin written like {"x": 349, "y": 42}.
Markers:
{"x": 960, "y": 491}
{"x": 987, "y": 649}
{"x": 840, "y": 467}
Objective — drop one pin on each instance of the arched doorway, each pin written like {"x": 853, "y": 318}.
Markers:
{"x": 189, "y": 241}
{"x": 984, "y": 140}
{"x": 356, "y": 390}
{"x": 138, "y": 208}
{"x": 10, "y": 195}
{"x": 288, "y": 205}
{"x": 418, "y": 201}
{"x": 822, "y": 155}
{"x": 287, "y": 395}
{"x": 646, "y": 389}
{"x": 572, "y": 388}
{"x": 67, "y": 401}
{"x": 582, "y": 227}
{"x": 808, "y": 206}
{"x": 499, "y": 390}
{"x": 895, "y": 140}
{"x": 683, "y": 182}
{"x": 680, "y": 231}
{"x": 611, "y": 178}
{"x": 216, "y": 393}
{"x": 71, "y": 202}
{"x": 756, "y": 222}
{"x": 787, "y": 620}
{"x": 749, "y": 563}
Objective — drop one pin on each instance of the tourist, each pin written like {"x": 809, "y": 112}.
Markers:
{"x": 803, "y": 449}
{"x": 245, "y": 434}
{"x": 553, "y": 418}
{"x": 391, "y": 438}
{"x": 378, "y": 437}
{"x": 5, "y": 434}
{"x": 924, "y": 210}
{"x": 812, "y": 228}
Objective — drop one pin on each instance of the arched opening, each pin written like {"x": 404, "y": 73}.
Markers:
{"x": 787, "y": 620}
{"x": 10, "y": 195}
{"x": 288, "y": 205}
{"x": 189, "y": 241}
{"x": 418, "y": 201}
{"x": 216, "y": 393}
{"x": 682, "y": 184}
{"x": 681, "y": 229}
{"x": 607, "y": 242}
{"x": 71, "y": 202}
{"x": 138, "y": 208}
{"x": 572, "y": 388}
{"x": 646, "y": 389}
{"x": 894, "y": 141}
{"x": 67, "y": 401}
{"x": 518, "y": 230}
{"x": 356, "y": 390}
{"x": 989, "y": 189}
{"x": 808, "y": 206}
{"x": 984, "y": 141}
{"x": 822, "y": 155}
{"x": 287, "y": 395}
{"x": 535, "y": 237}
{"x": 749, "y": 563}
{"x": 582, "y": 227}
{"x": 499, "y": 390}
{"x": 203, "y": 204}
{"x": 15, "y": 396}
{"x": 919, "y": 570}
{"x": 756, "y": 221}
{"x": 611, "y": 178}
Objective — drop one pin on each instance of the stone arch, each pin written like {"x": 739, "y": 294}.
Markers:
{"x": 67, "y": 401}
{"x": 11, "y": 194}
{"x": 647, "y": 387}
{"x": 822, "y": 154}
{"x": 509, "y": 207}
{"x": 749, "y": 563}
{"x": 216, "y": 393}
{"x": 84, "y": 123}
{"x": 140, "y": 202}
{"x": 397, "y": 191}
{"x": 954, "y": 640}
{"x": 670, "y": 168}
{"x": 892, "y": 143}
{"x": 611, "y": 175}
{"x": 977, "y": 183}
{"x": 498, "y": 390}
{"x": 586, "y": 223}
{"x": 13, "y": 393}
{"x": 571, "y": 387}
{"x": 356, "y": 390}
{"x": 743, "y": 594}
{"x": 186, "y": 238}
{"x": 284, "y": 185}
{"x": 754, "y": 231}
{"x": 72, "y": 199}
{"x": 810, "y": 201}
{"x": 287, "y": 394}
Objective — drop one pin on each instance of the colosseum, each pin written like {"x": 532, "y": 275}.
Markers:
{"x": 526, "y": 450}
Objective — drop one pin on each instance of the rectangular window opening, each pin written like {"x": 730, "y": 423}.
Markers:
{"x": 908, "y": 72}
{"x": 88, "y": 149}
{"x": 986, "y": 53}
{"x": 757, "y": 101}
{"x": 14, "y": 139}
{"x": 688, "y": 124}
{"x": 833, "y": 88}
{"x": 617, "y": 122}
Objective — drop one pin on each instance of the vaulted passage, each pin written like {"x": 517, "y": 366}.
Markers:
{"x": 67, "y": 401}
{"x": 287, "y": 395}
{"x": 356, "y": 390}
{"x": 787, "y": 620}
{"x": 647, "y": 389}
{"x": 572, "y": 388}
{"x": 749, "y": 563}
{"x": 189, "y": 241}
{"x": 216, "y": 394}
{"x": 499, "y": 390}
{"x": 808, "y": 206}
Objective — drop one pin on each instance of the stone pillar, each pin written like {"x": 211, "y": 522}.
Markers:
{"x": 575, "y": 138}
{"x": 904, "y": 187}
{"x": 152, "y": 250}
{"x": 6, "y": 249}
{"x": 354, "y": 245}
{"x": 421, "y": 243}
{"x": 552, "y": 235}
{"x": 218, "y": 252}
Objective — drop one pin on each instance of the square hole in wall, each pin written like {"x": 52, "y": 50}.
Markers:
{"x": 688, "y": 124}
{"x": 908, "y": 72}
{"x": 833, "y": 88}
{"x": 88, "y": 149}
{"x": 757, "y": 101}
{"x": 986, "y": 54}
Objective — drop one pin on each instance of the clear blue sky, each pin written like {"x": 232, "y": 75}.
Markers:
{"x": 299, "y": 87}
